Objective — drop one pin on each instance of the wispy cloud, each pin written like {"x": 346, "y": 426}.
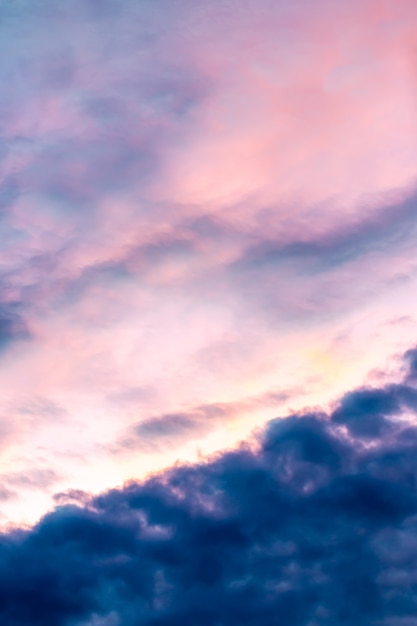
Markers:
{"x": 199, "y": 203}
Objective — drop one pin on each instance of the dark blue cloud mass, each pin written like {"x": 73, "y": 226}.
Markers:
{"x": 312, "y": 523}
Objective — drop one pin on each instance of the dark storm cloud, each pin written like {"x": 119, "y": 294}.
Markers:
{"x": 304, "y": 526}
{"x": 367, "y": 412}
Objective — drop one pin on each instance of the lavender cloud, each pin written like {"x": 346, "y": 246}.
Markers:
{"x": 12, "y": 327}
{"x": 215, "y": 192}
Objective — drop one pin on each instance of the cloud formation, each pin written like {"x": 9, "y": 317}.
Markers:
{"x": 197, "y": 200}
{"x": 313, "y": 521}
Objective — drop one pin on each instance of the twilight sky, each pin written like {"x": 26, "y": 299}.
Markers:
{"x": 208, "y": 323}
{"x": 207, "y": 220}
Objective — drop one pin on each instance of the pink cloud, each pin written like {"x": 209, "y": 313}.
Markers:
{"x": 203, "y": 203}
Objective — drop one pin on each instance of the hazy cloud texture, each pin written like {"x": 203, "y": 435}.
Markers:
{"x": 202, "y": 204}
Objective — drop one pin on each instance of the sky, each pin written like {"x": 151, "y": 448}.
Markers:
{"x": 208, "y": 323}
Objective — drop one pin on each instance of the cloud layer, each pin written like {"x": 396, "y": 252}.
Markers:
{"x": 313, "y": 521}
{"x": 197, "y": 200}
